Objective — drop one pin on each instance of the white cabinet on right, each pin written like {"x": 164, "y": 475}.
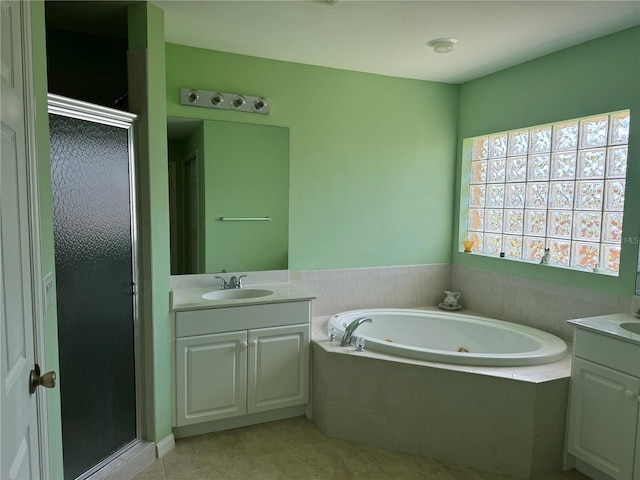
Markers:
{"x": 604, "y": 411}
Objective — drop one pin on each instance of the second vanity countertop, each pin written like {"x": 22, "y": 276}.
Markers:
{"x": 610, "y": 325}
{"x": 183, "y": 299}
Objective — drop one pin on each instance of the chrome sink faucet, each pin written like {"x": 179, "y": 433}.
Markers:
{"x": 350, "y": 330}
{"x": 233, "y": 282}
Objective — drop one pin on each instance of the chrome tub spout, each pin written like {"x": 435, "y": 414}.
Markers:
{"x": 350, "y": 330}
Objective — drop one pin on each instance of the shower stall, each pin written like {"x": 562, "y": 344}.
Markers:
{"x": 92, "y": 177}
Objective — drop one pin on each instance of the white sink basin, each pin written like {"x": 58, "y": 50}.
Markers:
{"x": 236, "y": 294}
{"x": 633, "y": 327}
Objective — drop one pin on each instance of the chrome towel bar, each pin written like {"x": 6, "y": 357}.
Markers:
{"x": 244, "y": 219}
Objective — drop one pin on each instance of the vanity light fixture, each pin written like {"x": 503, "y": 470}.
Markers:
{"x": 442, "y": 45}
{"x": 224, "y": 101}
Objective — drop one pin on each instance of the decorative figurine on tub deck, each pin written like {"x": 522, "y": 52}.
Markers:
{"x": 450, "y": 301}
{"x": 545, "y": 257}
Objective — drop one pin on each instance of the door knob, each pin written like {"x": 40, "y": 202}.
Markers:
{"x": 48, "y": 380}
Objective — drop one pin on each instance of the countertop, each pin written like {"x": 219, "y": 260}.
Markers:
{"x": 191, "y": 298}
{"x": 610, "y": 325}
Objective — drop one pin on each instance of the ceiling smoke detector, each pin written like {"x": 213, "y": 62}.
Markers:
{"x": 442, "y": 45}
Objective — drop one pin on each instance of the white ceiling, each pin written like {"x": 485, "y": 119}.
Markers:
{"x": 389, "y": 37}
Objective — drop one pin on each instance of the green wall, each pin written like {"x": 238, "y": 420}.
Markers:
{"x": 371, "y": 157}
{"x": 595, "y": 77}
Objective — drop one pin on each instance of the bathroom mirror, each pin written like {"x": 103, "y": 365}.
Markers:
{"x": 228, "y": 196}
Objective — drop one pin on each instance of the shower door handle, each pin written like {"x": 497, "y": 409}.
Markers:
{"x": 48, "y": 380}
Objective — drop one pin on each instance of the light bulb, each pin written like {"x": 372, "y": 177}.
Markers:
{"x": 259, "y": 104}
{"x": 192, "y": 96}
{"x": 217, "y": 99}
{"x": 238, "y": 102}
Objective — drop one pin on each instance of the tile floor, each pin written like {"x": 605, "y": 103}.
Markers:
{"x": 294, "y": 449}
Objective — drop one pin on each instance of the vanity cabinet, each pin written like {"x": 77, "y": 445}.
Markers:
{"x": 604, "y": 426}
{"x": 253, "y": 368}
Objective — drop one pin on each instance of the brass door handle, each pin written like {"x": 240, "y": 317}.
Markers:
{"x": 48, "y": 380}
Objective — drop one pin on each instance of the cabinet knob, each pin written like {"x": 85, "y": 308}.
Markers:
{"x": 253, "y": 343}
{"x": 629, "y": 394}
{"x": 243, "y": 344}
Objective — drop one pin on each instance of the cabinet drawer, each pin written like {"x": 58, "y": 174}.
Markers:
{"x": 217, "y": 320}
{"x": 604, "y": 350}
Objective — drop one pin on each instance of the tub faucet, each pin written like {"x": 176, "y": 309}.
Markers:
{"x": 350, "y": 330}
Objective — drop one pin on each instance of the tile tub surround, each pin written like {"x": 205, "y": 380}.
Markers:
{"x": 507, "y": 420}
{"x": 348, "y": 289}
{"x": 535, "y": 303}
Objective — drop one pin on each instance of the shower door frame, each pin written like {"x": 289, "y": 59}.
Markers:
{"x": 68, "y": 107}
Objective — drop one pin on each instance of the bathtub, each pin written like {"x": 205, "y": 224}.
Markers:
{"x": 450, "y": 337}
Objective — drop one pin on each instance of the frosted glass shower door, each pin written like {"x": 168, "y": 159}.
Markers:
{"x": 93, "y": 237}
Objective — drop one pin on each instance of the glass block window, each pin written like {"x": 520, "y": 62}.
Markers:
{"x": 558, "y": 187}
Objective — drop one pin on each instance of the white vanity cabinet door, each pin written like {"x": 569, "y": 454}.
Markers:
{"x": 278, "y": 371}
{"x": 211, "y": 373}
{"x": 603, "y": 420}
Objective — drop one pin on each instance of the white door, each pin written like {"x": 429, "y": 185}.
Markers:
{"x": 211, "y": 377}
{"x": 603, "y": 418}
{"x": 20, "y": 441}
{"x": 278, "y": 373}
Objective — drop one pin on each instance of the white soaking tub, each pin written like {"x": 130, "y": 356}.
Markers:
{"x": 450, "y": 337}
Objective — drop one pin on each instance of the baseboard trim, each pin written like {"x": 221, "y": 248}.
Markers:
{"x": 165, "y": 445}
{"x": 239, "y": 421}
{"x": 591, "y": 471}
